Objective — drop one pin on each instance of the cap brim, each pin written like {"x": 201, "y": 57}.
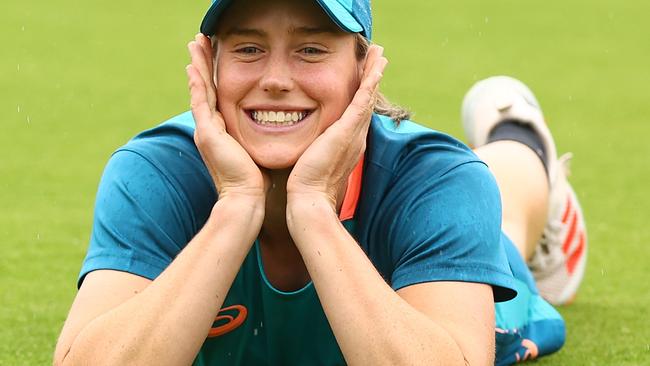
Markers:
{"x": 209, "y": 23}
{"x": 339, "y": 14}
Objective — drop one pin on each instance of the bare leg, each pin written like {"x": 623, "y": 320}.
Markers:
{"x": 523, "y": 183}
{"x": 557, "y": 259}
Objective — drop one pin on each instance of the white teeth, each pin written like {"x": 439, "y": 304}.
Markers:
{"x": 277, "y": 118}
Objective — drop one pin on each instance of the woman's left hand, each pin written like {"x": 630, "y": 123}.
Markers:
{"x": 323, "y": 169}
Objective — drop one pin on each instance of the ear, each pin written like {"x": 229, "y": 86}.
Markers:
{"x": 361, "y": 64}
{"x": 215, "y": 59}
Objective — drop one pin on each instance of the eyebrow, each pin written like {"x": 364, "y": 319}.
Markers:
{"x": 237, "y": 31}
{"x": 314, "y": 30}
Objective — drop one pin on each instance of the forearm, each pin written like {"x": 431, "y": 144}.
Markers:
{"x": 167, "y": 323}
{"x": 372, "y": 324}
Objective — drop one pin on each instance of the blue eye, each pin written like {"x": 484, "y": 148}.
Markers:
{"x": 312, "y": 51}
{"x": 250, "y": 50}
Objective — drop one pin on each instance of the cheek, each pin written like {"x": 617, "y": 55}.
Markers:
{"x": 232, "y": 85}
{"x": 332, "y": 87}
{"x": 231, "y": 82}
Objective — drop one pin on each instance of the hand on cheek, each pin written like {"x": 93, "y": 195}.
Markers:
{"x": 232, "y": 169}
{"x": 323, "y": 169}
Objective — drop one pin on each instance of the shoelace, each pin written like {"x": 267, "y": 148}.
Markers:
{"x": 548, "y": 254}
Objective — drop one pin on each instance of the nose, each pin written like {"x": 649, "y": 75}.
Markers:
{"x": 277, "y": 76}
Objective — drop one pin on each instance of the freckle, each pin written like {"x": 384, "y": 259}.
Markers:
{"x": 318, "y": 252}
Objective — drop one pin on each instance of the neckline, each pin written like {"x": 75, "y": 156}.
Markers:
{"x": 346, "y": 216}
{"x": 268, "y": 283}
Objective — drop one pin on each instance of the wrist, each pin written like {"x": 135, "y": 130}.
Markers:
{"x": 309, "y": 205}
{"x": 239, "y": 209}
{"x": 309, "y": 214}
{"x": 309, "y": 201}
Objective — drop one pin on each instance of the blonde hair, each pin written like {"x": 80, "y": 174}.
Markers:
{"x": 382, "y": 105}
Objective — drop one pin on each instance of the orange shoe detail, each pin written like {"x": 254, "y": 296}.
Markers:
{"x": 565, "y": 216}
{"x": 572, "y": 232}
{"x": 575, "y": 256}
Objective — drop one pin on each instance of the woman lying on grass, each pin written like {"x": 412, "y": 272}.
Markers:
{"x": 295, "y": 217}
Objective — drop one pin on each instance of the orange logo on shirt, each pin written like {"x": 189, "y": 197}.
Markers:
{"x": 234, "y": 316}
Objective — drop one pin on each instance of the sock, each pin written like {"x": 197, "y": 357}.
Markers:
{"x": 511, "y": 129}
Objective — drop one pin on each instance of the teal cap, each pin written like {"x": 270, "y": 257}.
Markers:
{"x": 352, "y": 16}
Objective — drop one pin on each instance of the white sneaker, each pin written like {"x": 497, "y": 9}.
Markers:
{"x": 498, "y": 98}
{"x": 560, "y": 258}
{"x": 559, "y": 261}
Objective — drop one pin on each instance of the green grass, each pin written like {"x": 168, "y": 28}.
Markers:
{"x": 79, "y": 78}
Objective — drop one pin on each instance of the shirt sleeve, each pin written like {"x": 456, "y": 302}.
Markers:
{"x": 142, "y": 217}
{"x": 448, "y": 228}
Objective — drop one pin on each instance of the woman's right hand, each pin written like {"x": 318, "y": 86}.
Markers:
{"x": 233, "y": 171}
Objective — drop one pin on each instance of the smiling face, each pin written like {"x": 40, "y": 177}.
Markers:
{"x": 285, "y": 72}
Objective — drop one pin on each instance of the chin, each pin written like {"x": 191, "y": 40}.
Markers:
{"x": 276, "y": 162}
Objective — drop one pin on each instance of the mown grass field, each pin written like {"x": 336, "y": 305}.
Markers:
{"x": 79, "y": 78}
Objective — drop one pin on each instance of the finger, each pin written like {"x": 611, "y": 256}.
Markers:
{"x": 360, "y": 109}
{"x": 375, "y": 63}
{"x": 206, "y": 45}
{"x": 198, "y": 60}
{"x": 375, "y": 52}
{"x": 201, "y": 64}
{"x": 204, "y": 116}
